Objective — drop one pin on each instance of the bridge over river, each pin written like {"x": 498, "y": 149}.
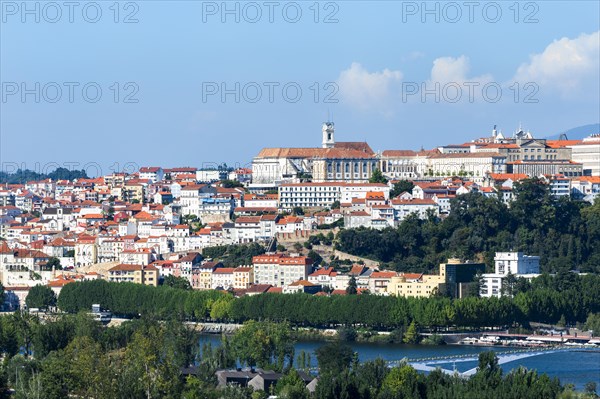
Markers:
{"x": 431, "y": 363}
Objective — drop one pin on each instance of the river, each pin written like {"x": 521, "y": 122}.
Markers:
{"x": 575, "y": 367}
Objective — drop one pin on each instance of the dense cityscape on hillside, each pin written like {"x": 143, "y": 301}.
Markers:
{"x": 500, "y": 232}
{"x": 300, "y": 199}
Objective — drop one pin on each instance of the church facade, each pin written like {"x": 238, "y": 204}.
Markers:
{"x": 351, "y": 162}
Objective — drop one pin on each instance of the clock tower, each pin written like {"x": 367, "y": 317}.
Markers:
{"x": 328, "y": 135}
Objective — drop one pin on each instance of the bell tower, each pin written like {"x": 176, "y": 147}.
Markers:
{"x": 328, "y": 135}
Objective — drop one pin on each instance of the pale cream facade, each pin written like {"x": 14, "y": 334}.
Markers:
{"x": 423, "y": 287}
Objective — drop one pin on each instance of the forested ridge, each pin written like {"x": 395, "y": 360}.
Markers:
{"x": 21, "y": 176}
{"x": 563, "y": 232}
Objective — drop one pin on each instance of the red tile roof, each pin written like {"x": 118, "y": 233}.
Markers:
{"x": 383, "y": 274}
{"x": 281, "y": 259}
{"x": 123, "y": 267}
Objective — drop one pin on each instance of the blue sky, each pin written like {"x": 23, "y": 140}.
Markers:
{"x": 372, "y": 58}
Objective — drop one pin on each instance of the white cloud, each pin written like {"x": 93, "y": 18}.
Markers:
{"x": 363, "y": 89}
{"x": 454, "y": 70}
{"x": 565, "y": 64}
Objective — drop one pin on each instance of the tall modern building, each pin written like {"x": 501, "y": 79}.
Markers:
{"x": 460, "y": 275}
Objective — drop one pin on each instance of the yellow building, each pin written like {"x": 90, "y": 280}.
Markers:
{"x": 202, "y": 279}
{"x": 454, "y": 278}
{"x": 133, "y": 191}
{"x": 243, "y": 277}
{"x": 147, "y": 275}
{"x": 416, "y": 285}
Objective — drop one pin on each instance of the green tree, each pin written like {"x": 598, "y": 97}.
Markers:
{"x": 351, "y": 289}
{"x": 377, "y": 177}
{"x": 412, "y": 334}
{"x": 9, "y": 342}
{"x": 231, "y": 184}
{"x": 53, "y": 262}
{"x": 488, "y": 368}
{"x": 316, "y": 258}
{"x": 509, "y": 285}
{"x": 593, "y": 323}
{"x": 291, "y": 386}
{"x": 177, "y": 282}
{"x": 402, "y": 382}
{"x": 221, "y": 308}
{"x": 334, "y": 357}
{"x": 401, "y": 187}
{"x": 40, "y": 296}
{"x": 264, "y": 344}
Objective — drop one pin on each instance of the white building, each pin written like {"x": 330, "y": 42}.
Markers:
{"x": 420, "y": 207}
{"x": 585, "y": 188}
{"x": 325, "y": 276}
{"x": 210, "y": 176}
{"x": 222, "y": 277}
{"x": 152, "y": 173}
{"x": 559, "y": 186}
{"x": 515, "y": 263}
{"x": 360, "y": 190}
{"x": 215, "y": 207}
{"x": 587, "y": 152}
{"x": 474, "y": 165}
{"x": 260, "y": 201}
{"x": 192, "y": 196}
{"x": 322, "y": 195}
{"x": 280, "y": 270}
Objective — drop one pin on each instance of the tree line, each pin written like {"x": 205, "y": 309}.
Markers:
{"x": 21, "y": 176}
{"x": 563, "y": 232}
{"x": 545, "y": 299}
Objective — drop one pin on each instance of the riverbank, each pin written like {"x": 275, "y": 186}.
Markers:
{"x": 402, "y": 336}
{"x": 571, "y": 367}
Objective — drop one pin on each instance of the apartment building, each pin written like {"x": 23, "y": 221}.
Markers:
{"x": 139, "y": 274}
{"x": 279, "y": 270}
{"x": 515, "y": 263}
{"x": 323, "y": 195}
